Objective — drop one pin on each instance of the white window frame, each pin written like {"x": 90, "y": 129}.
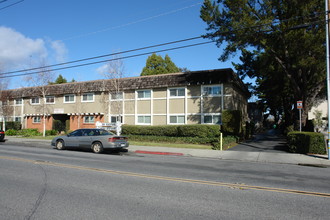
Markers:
{"x": 144, "y": 91}
{"x": 87, "y": 94}
{"x": 211, "y": 115}
{"x": 74, "y": 98}
{"x": 35, "y": 103}
{"x": 18, "y": 119}
{"x": 143, "y": 123}
{"x": 50, "y": 96}
{"x": 89, "y": 121}
{"x": 21, "y": 101}
{"x": 114, "y": 96}
{"x": 177, "y": 92}
{"x": 212, "y": 94}
{"x": 177, "y": 116}
{"x": 116, "y": 118}
{"x": 36, "y": 119}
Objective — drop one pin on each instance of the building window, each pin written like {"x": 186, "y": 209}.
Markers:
{"x": 18, "y": 119}
{"x": 89, "y": 119}
{"x": 212, "y": 119}
{"x": 36, "y": 119}
{"x": 114, "y": 119}
{"x": 177, "y": 119}
{"x": 50, "y": 99}
{"x": 69, "y": 98}
{"x": 143, "y": 119}
{"x": 116, "y": 96}
{"x": 144, "y": 94}
{"x": 211, "y": 90}
{"x": 177, "y": 92}
{"x": 35, "y": 100}
{"x": 88, "y": 97}
{"x": 18, "y": 101}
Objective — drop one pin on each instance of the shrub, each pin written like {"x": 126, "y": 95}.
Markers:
{"x": 11, "y": 132}
{"x": 59, "y": 126}
{"x": 29, "y": 132}
{"x": 231, "y": 122}
{"x": 306, "y": 142}
{"x": 227, "y": 142}
{"x": 202, "y": 131}
{"x": 13, "y": 125}
{"x": 51, "y": 132}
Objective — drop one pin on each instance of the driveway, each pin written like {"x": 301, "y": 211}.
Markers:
{"x": 271, "y": 141}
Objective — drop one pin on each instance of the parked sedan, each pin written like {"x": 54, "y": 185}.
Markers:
{"x": 96, "y": 139}
{"x": 2, "y": 135}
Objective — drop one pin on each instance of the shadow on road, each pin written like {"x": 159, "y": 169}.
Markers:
{"x": 270, "y": 141}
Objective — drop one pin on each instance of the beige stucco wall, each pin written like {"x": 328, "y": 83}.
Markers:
{"x": 212, "y": 104}
{"x": 129, "y": 120}
{"x": 159, "y": 120}
{"x": 194, "y": 91}
{"x": 159, "y": 106}
{"x": 160, "y": 93}
{"x": 129, "y": 107}
{"x": 176, "y": 106}
{"x": 193, "y": 119}
{"x": 143, "y": 107}
{"x": 129, "y": 94}
{"x": 194, "y": 105}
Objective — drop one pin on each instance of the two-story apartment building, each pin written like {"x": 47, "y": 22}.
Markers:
{"x": 196, "y": 97}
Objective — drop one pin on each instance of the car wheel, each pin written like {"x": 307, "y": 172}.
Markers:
{"x": 97, "y": 147}
{"x": 60, "y": 145}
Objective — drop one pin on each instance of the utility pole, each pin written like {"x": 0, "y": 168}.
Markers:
{"x": 327, "y": 2}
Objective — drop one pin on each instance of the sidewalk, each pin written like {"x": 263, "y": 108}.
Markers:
{"x": 265, "y": 157}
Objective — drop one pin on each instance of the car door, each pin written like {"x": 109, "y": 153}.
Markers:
{"x": 72, "y": 139}
{"x": 85, "y": 140}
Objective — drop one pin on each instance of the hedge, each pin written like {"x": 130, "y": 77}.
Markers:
{"x": 232, "y": 122}
{"x": 201, "y": 131}
{"x": 306, "y": 142}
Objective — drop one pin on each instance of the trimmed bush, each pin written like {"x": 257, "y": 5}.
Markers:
{"x": 51, "y": 132}
{"x": 29, "y": 132}
{"x": 231, "y": 122}
{"x": 202, "y": 131}
{"x": 14, "y": 125}
{"x": 306, "y": 142}
{"x": 11, "y": 132}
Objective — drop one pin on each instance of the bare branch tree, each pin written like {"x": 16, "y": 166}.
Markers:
{"x": 114, "y": 71}
{"x": 40, "y": 81}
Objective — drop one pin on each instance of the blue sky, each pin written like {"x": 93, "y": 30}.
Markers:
{"x": 35, "y": 32}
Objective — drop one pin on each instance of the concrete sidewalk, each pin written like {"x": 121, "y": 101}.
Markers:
{"x": 265, "y": 157}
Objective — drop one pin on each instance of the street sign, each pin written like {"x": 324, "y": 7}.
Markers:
{"x": 299, "y": 105}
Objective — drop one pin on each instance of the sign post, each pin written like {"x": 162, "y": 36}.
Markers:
{"x": 299, "y": 106}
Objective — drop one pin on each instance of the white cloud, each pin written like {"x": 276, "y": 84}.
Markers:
{"x": 103, "y": 69}
{"x": 18, "y": 51}
{"x": 60, "y": 51}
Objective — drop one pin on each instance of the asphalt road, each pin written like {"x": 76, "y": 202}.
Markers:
{"x": 270, "y": 141}
{"x": 37, "y": 183}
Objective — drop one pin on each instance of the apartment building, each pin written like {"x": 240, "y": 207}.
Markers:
{"x": 196, "y": 97}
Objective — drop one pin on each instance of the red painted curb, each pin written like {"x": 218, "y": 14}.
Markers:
{"x": 158, "y": 153}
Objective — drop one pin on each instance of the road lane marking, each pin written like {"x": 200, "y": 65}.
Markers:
{"x": 148, "y": 176}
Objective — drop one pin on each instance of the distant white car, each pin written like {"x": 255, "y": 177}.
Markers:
{"x": 95, "y": 139}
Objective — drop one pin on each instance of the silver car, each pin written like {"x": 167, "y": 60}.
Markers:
{"x": 96, "y": 139}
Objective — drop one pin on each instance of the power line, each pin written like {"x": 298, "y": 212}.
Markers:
{"x": 101, "y": 56}
{"x": 2, "y": 75}
{"x": 11, "y": 4}
{"x": 104, "y": 61}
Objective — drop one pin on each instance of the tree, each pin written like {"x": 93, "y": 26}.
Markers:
{"x": 41, "y": 81}
{"x": 287, "y": 39}
{"x": 155, "y": 65}
{"x": 60, "y": 79}
{"x": 114, "y": 71}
